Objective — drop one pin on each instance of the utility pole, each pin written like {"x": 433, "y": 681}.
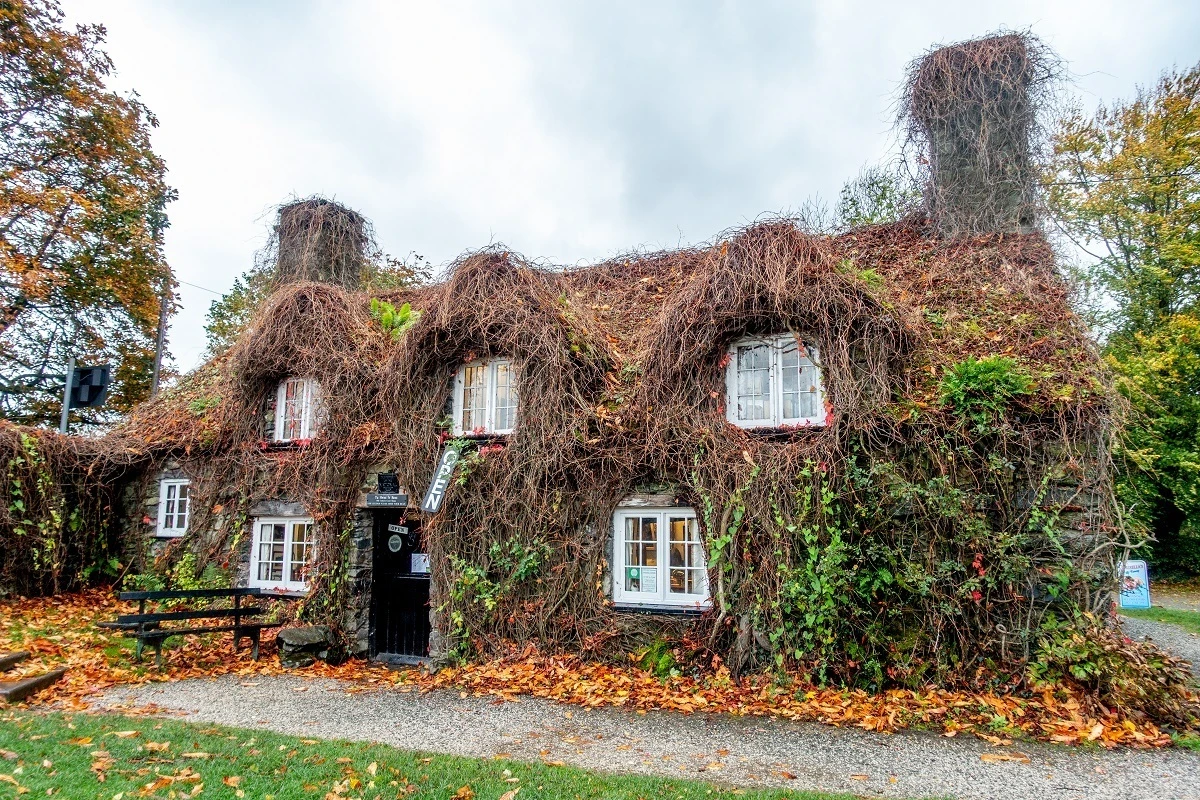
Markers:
{"x": 66, "y": 409}
{"x": 158, "y": 347}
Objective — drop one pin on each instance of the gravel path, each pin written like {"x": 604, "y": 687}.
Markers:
{"x": 723, "y": 749}
{"x": 1183, "y": 598}
{"x": 1179, "y": 641}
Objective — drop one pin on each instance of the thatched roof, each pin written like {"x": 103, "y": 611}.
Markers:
{"x": 916, "y": 302}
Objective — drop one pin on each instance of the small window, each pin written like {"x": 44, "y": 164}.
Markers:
{"x": 485, "y": 398}
{"x": 773, "y": 383}
{"x": 281, "y": 553}
{"x": 658, "y": 558}
{"x": 174, "y": 503}
{"x": 297, "y": 410}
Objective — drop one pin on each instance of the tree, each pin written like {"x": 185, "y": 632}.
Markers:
{"x": 82, "y": 213}
{"x": 878, "y": 195}
{"x": 1124, "y": 185}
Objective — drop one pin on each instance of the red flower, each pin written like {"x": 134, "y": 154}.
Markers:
{"x": 976, "y": 595}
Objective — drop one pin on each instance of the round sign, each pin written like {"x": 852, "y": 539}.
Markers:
{"x": 395, "y": 542}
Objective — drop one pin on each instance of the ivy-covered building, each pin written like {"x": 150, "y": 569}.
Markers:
{"x": 879, "y": 456}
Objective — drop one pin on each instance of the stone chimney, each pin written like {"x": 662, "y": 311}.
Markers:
{"x": 319, "y": 240}
{"x": 972, "y": 110}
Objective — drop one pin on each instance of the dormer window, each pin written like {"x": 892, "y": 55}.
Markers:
{"x": 297, "y": 410}
{"x": 774, "y": 382}
{"x": 485, "y": 398}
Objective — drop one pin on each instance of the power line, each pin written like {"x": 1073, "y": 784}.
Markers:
{"x": 197, "y": 286}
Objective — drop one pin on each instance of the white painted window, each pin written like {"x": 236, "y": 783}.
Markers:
{"x": 174, "y": 505}
{"x": 297, "y": 410}
{"x": 485, "y": 398}
{"x": 281, "y": 553}
{"x": 658, "y": 558}
{"x": 774, "y": 382}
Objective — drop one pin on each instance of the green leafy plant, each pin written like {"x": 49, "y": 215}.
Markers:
{"x": 395, "y": 321}
{"x": 981, "y": 390}
{"x": 1118, "y": 671}
{"x": 659, "y": 660}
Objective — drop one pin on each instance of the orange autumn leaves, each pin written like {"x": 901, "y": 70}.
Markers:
{"x": 60, "y": 631}
{"x": 1053, "y": 715}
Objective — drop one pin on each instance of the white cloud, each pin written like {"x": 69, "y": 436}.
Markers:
{"x": 569, "y": 131}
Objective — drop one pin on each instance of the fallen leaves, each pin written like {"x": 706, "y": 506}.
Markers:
{"x": 1057, "y": 716}
{"x": 61, "y": 631}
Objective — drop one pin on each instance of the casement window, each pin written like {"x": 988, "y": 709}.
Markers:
{"x": 174, "y": 503}
{"x": 658, "y": 558}
{"x": 297, "y": 410}
{"x": 774, "y": 382}
{"x": 281, "y": 552}
{"x": 485, "y": 398}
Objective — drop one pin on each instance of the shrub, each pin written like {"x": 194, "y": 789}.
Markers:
{"x": 1133, "y": 677}
{"x": 981, "y": 390}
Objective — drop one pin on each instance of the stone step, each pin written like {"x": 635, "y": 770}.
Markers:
{"x": 16, "y": 691}
{"x": 10, "y": 660}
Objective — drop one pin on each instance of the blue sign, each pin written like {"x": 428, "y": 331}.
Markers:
{"x": 1135, "y": 585}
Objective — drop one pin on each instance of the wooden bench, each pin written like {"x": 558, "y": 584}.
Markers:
{"x": 147, "y": 627}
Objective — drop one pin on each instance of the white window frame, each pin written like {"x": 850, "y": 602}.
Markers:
{"x": 662, "y": 596}
{"x": 489, "y": 392}
{"x": 289, "y": 531}
{"x": 164, "y": 486}
{"x": 777, "y": 345}
{"x": 310, "y": 422}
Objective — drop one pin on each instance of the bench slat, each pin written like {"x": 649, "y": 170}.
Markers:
{"x": 165, "y": 616}
{"x": 163, "y": 633}
{"x": 190, "y": 594}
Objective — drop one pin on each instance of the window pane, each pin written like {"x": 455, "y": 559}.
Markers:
{"x": 302, "y": 546}
{"x": 506, "y": 397}
{"x": 314, "y": 410}
{"x": 181, "y": 507}
{"x": 474, "y": 401}
{"x": 641, "y": 554}
{"x": 687, "y": 557}
{"x": 754, "y": 382}
{"x": 790, "y": 374}
{"x": 293, "y": 409}
{"x": 169, "y": 505}
{"x": 270, "y": 552}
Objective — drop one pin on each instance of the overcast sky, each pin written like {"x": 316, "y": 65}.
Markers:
{"x": 568, "y": 131}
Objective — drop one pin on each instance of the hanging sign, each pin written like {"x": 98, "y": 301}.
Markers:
{"x": 441, "y": 478}
{"x": 394, "y": 528}
{"x": 380, "y": 500}
{"x": 1135, "y": 585}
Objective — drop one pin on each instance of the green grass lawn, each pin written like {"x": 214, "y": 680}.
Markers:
{"x": 1188, "y": 620}
{"x": 81, "y": 756}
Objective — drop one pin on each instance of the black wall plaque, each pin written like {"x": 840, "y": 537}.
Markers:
{"x": 387, "y": 483}
{"x": 377, "y": 500}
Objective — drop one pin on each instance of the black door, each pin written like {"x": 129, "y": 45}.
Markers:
{"x": 400, "y": 589}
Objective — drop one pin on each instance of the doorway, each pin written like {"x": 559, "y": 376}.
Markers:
{"x": 400, "y": 590}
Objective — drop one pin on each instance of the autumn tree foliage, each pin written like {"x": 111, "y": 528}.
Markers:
{"x": 82, "y": 213}
{"x": 1125, "y": 185}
